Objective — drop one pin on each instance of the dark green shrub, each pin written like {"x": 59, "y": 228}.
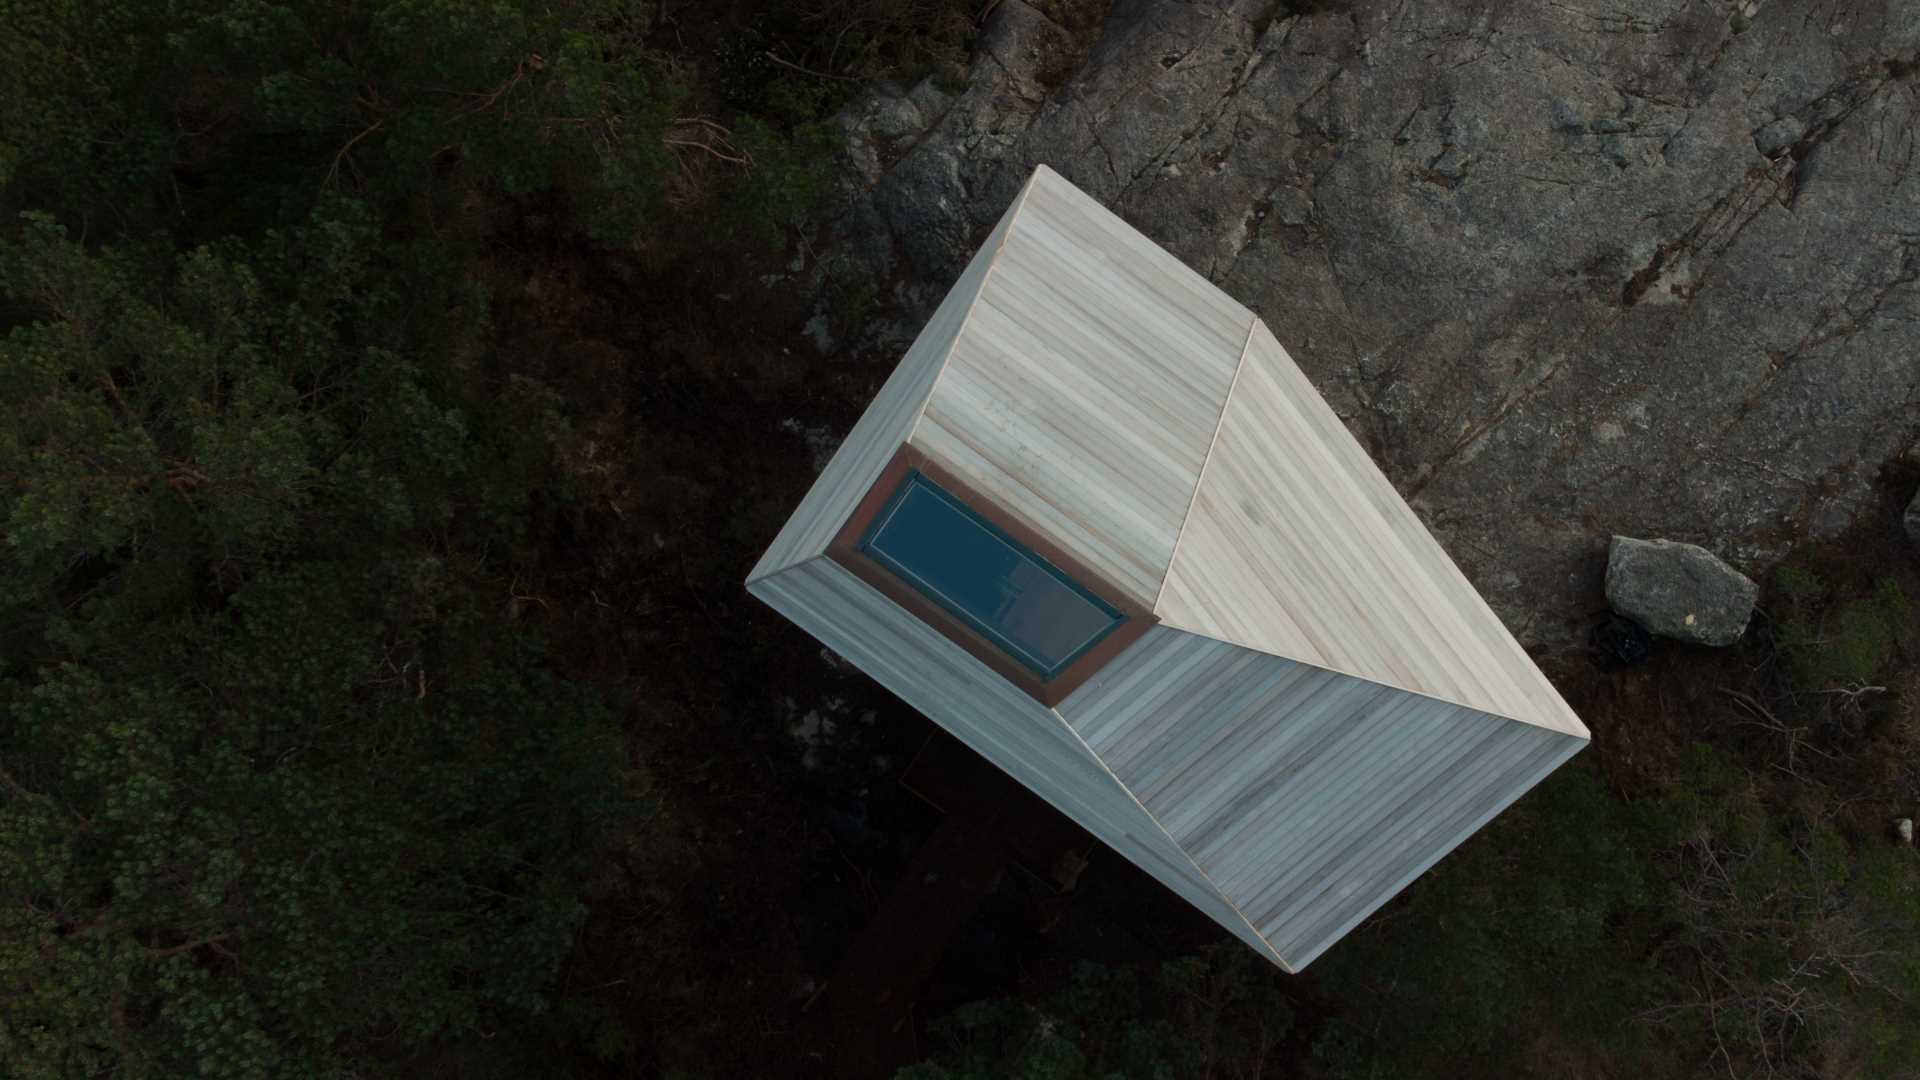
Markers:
{"x": 281, "y": 791}
{"x": 1221, "y": 1013}
{"x": 1832, "y": 641}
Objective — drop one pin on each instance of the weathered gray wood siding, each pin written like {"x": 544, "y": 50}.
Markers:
{"x": 1298, "y": 546}
{"x": 1309, "y": 798}
{"x": 888, "y": 420}
{"x": 1084, "y": 390}
{"x": 983, "y": 710}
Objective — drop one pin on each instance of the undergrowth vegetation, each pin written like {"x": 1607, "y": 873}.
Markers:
{"x": 392, "y": 399}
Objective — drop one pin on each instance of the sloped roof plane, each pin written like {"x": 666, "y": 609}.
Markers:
{"x": 1309, "y": 705}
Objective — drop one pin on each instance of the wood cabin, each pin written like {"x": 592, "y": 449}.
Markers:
{"x": 1099, "y": 526}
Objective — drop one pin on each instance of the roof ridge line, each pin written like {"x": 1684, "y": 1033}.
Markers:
{"x": 1429, "y": 695}
{"x": 1177, "y": 845}
{"x": 1012, "y": 215}
{"x": 1219, "y": 423}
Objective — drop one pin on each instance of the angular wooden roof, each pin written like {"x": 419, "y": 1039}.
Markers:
{"x": 1327, "y": 706}
{"x": 1118, "y": 403}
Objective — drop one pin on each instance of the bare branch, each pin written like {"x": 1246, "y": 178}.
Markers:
{"x": 334, "y": 169}
{"x": 707, "y": 136}
{"x": 785, "y": 63}
{"x": 214, "y": 941}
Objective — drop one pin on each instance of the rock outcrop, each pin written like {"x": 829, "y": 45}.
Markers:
{"x": 1565, "y": 269}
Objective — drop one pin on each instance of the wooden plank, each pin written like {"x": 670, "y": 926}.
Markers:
{"x": 1015, "y": 732}
{"x": 1366, "y": 801}
{"x": 1412, "y": 843}
{"x": 1102, "y": 234}
{"x": 1124, "y": 693}
{"x": 1315, "y": 705}
{"x": 1085, "y": 390}
{"x": 1304, "y": 795}
{"x": 1318, "y": 798}
{"x": 858, "y": 461}
{"x": 1500, "y": 797}
{"x": 1298, "y": 546}
{"x": 1169, "y": 737}
{"x": 1363, "y": 730}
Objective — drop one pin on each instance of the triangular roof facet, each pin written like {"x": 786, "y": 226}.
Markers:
{"x": 1297, "y": 545}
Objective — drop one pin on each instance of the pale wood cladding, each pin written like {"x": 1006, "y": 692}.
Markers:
{"x": 1084, "y": 391}
{"x": 1298, "y": 546}
{"x": 886, "y": 423}
{"x": 1015, "y": 732}
{"x": 1362, "y": 710}
{"x": 1308, "y": 798}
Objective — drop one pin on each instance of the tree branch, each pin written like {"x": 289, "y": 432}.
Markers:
{"x": 776, "y": 58}
{"x": 334, "y": 169}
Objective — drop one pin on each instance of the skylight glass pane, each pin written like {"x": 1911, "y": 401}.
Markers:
{"x": 1000, "y": 588}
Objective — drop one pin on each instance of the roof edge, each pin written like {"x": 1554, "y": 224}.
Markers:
{"x": 1479, "y": 822}
{"x": 1582, "y": 734}
{"x": 1010, "y": 219}
{"x": 1273, "y": 954}
{"x": 794, "y": 543}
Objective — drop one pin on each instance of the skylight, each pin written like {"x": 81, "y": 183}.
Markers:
{"x": 998, "y": 587}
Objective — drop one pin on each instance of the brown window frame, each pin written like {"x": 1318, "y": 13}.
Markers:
{"x": 845, "y": 550}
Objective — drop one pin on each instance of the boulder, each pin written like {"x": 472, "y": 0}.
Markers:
{"x": 1912, "y": 521}
{"x": 1678, "y": 590}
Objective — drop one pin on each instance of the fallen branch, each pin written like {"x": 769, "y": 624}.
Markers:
{"x": 519, "y": 72}
{"x": 785, "y": 63}
{"x": 175, "y": 950}
{"x": 710, "y": 137}
{"x": 1796, "y": 737}
{"x": 1854, "y": 692}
